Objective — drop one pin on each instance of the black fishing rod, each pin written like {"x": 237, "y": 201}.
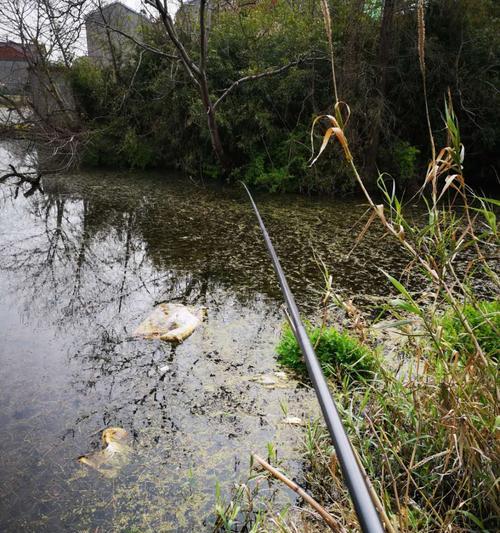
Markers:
{"x": 368, "y": 516}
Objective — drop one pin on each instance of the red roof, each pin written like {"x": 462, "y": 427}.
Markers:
{"x": 10, "y": 51}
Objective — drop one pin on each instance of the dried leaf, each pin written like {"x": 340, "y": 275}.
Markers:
{"x": 448, "y": 181}
{"x": 326, "y": 138}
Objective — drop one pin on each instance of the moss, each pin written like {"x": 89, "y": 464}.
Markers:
{"x": 338, "y": 353}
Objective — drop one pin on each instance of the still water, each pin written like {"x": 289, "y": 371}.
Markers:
{"x": 80, "y": 267}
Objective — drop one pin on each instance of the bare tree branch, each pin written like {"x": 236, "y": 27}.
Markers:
{"x": 190, "y": 66}
{"x": 265, "y": 74}
{"x": 141, "y": 44}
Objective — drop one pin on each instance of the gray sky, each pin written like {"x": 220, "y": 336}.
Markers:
{"x": 138, "y": 4}
{"x": 80, "y": 48}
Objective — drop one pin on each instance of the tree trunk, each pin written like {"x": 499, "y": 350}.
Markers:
{"x": 197, "y": 73}
{"x": 204, "y": 91}
{"x": 212, "y": 125}
{"x": 384, "y": 56}
{"x": 351, "y": 68}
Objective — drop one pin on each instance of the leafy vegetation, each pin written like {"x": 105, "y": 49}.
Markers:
{"x": 484, "y": 319}
{"x": 149, "y": 114}
{"x": 338, "y": 353}
{"x": 426, "y": 429}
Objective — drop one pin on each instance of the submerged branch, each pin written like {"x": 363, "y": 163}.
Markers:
{"x": 24, "y": 178}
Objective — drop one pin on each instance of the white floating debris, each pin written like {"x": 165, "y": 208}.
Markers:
{"x": 170, "y": 322}
{"x": 294, "y": 421}
{"x": 265, "y": 380}
{"x": 165, "y": 368}
{"x": 275, "y": 380}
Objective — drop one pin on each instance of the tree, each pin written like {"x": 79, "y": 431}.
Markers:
{"x": 48, "y": 32}
{"x": 384, "y": 56}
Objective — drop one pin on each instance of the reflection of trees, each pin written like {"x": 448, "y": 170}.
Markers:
{"x": 214, "y": 235}
{"x": 93, "y": 258}
{"x": 99, "y": 257}
{"x": 85, "y": 263}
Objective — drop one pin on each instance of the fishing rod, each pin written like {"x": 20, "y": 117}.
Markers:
{"x": 354, "y": 476}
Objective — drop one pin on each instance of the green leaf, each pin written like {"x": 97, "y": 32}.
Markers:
{"x": 410, "y": 304}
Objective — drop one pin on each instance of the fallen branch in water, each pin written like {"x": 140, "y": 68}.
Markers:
{"x": 327, "y": 517}
{"x": 24, "y": 178}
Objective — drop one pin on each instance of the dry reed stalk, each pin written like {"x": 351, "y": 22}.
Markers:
{"x": 327, "y": 517}
{"x": 421, "y": 35}
{"x": 328, "y": 28}
{"x": 421, "y": 58}
{"x": 437, "y": 167}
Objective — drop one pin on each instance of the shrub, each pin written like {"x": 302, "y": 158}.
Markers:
{"x": 406, "y": 158}
{"x": 138, "y": 153}
{"x": 337, "y": 353}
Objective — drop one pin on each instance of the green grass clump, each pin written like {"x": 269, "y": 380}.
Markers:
{"x": 484, "y": 319}
{"x": 337, "y": 353}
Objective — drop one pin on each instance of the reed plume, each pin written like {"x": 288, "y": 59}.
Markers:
{"x": 329, "y": 34}
{"x": 421, "y": 59}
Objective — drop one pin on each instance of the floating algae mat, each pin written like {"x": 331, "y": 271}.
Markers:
{"x": 170, "y": 322}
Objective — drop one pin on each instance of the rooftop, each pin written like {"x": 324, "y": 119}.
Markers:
{"x": 12, "y": 51}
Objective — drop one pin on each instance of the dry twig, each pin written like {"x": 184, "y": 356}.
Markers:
{"x": 327, "y": 517}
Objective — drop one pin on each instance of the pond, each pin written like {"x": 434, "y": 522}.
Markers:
{"x": 80, "y": 267}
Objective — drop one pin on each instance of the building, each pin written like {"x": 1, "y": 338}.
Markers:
{"x": 113, "y": 48}
{"x": 14, "y": 68}
{"x": 52, "y": 97}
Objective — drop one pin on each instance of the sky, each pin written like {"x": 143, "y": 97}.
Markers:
{"x": 138, "y": 4}
{"x": 6, "y": 33}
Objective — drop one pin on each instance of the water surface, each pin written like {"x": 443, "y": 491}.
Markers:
{"x": 80, "y": 267}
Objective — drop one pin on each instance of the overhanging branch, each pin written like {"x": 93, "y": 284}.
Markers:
{"x": 265, "y": 74}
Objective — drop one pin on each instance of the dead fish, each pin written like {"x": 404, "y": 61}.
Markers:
{"x": 170, "y": 322}
{"x": 113, "y": 457}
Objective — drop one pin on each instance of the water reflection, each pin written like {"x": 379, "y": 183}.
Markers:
{"x": 80, "y": 268}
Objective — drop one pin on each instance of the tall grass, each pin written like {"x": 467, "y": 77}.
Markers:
{"x": 427, "y": 432}
{"x": 428, "y": 437}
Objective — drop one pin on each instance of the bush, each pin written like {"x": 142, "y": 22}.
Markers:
{"x": 406, "y": 158}
{"x": 138, "y": 153}
{"x": 338, "y": 353}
